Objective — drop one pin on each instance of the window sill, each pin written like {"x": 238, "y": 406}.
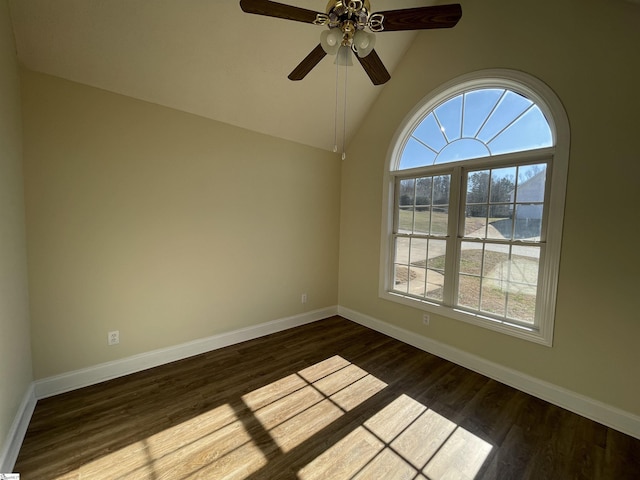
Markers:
{"x": 531, "y": 334}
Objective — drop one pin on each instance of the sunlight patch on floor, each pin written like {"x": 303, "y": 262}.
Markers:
{"x": 405, "y": 440}
{"x": 461, "y": 457}
{"x": 297, "y": 407}
{"x": 345, "y": 459}
{"x": 215, "y": 442}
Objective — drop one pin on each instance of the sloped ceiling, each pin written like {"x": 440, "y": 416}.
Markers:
{"x": 206, "y": 57}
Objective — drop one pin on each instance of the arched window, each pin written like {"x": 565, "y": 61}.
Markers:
{"x": 475, "y": 200}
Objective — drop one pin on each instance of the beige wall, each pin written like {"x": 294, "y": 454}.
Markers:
{"x": 15, "y": 350}
{"x": 587, "y": 52}
{"x": 163, "y": 225}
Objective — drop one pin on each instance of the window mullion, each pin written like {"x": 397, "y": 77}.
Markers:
{"x": 453, "y": 229}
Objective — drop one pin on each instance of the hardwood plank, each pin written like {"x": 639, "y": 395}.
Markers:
{"x": 331, "y": 399}
{"x": 622, "y": 456}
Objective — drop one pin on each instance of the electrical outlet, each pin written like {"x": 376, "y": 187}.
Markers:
{"x": 113, "y": 338}
{"x": 303, "y": 298}
{"x": 425, "y": 318}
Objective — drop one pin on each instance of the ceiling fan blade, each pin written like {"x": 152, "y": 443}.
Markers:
{"x": 437, "y": 16}
{"x": 374, "y": 68}
{"x": 278, "y": 10}
{"x": 308, "y": 63}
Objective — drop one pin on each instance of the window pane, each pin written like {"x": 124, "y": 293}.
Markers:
{"x": 494, "y": 298}
{"x": 405, "y": 220}
{"x": 422, "y": 220}
{"x": 417, "y": 280}
{"x": 528, "y": 221}
{"x": 511, "y": 105}
{"x": 469, "y": 291}
{"x": 450, "y": 116}
{"x": 439, "y": 220}
{"x": 523, "y": 283}
{"x": 496, "y": 262}
{"x": 524, "y": 266}
{"x": 437, "y": 251}
{"x": 435, "y": 285}
{"x": 435, "y": 272}
{"x": 441, "y": 186}
{"x": 407, "y": 192}
{"x": 419, "y": 252}
{"x": 478, "y": 187}
{"x": 511, "y": 280}
{"x": 531, "y": 183}
{"x": 402, "y": 250}
{"x": 502, "y": 184}
{"x": 423, "y": 201}
{"x": 477, "y": 197}
{"x": 494, "y": 280}
{"x": 477, "y": 107}
{"x": 424, "y": 191}
{"x": 471, "y": 258}
{"x": 406, "y": 205}
{"x": 401, "y": 278}
{"x": 416, "y": 155}
{"x": 529, "y": 132}
{"x": 521, "y": 307}
{"x": 500, "y": 223}
{"x": 429, "y": 132}
{"x": 475, "y": 222}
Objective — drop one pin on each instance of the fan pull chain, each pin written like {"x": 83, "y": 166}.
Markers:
{"x": 335, "y": 116}
{"x": 344, "y": 120}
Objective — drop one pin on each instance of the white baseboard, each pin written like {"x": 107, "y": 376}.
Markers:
{"x": 607, "y": 415}
{"x": 66, "y": 382}
{"x": 613, "y": 417}
{"x": 13, "y": 442}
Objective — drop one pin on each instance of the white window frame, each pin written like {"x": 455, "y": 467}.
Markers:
{"x": 558, "y": 158}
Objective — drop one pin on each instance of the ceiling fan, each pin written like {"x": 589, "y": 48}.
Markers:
{"x": 346, "y": 22}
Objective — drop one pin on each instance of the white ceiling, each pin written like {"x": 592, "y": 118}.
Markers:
{"x": 205, "y": 57}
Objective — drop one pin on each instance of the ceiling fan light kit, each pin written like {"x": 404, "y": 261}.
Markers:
{"x": 331, "y": 40}
{"x": 363, "y": 43}
{"x": 347, "y": 21}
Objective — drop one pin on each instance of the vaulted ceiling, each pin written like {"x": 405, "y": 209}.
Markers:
{"x": 206, "y": 57}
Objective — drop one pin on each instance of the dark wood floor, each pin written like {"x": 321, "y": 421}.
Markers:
{"x": 329, "y": 400}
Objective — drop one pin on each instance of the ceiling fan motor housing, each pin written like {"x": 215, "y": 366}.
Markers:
{"x": 354, "y": 11}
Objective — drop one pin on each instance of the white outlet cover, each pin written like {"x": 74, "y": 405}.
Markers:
{"x": 113, "y": 338}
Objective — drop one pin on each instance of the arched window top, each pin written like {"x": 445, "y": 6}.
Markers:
{"x": 474, "y": 119}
